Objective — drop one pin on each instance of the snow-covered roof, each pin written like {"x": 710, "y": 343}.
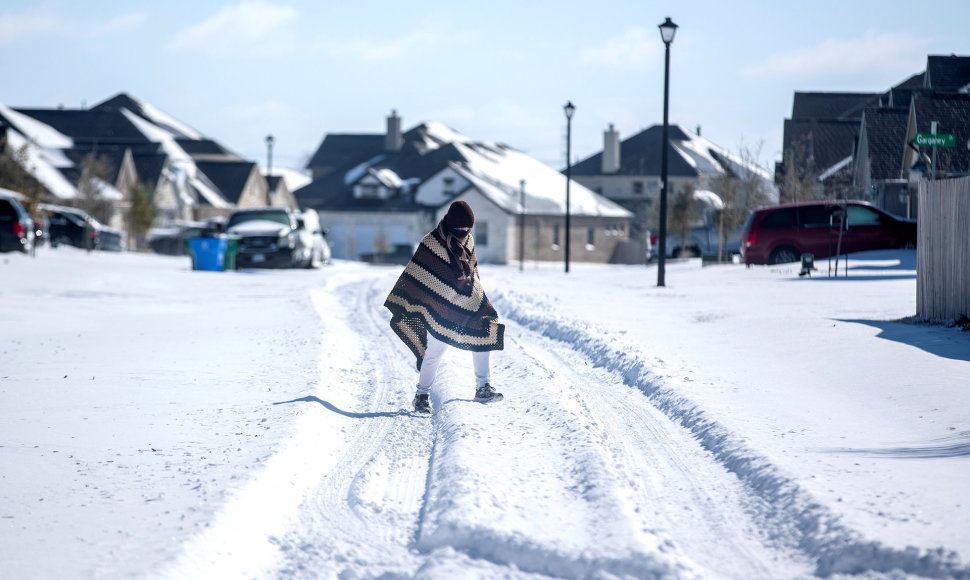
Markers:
{"x": 163, "y": 119}
{"x": 294, "y": 178}
{"x": 156, "y": 134}
{"x": 40, "y": 134}
{"x": 359, "y": 171}
{"x": 835, "y": 168}
{"x": 387, "y": 177}
{"x": 44, "y": 165}
{"x": 709, "y": 198}
{"x": 498, "y": 170}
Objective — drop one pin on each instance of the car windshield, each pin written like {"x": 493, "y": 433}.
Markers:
{"x": 249, "y": 216}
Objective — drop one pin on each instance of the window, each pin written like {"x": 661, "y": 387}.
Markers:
{"x": 590, "y": 239}
{"x": 638, "y": 187}
{"x": 814, "y": 217}
{"x": 481, "y": 234}
{"x": 555, "y": 236}
{"x": 779, "y": 219}
{"x": 862, "y": 216}
{"x": 449, "y": 185}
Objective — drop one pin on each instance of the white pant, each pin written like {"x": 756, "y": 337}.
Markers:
{"x": 432, "y": 358}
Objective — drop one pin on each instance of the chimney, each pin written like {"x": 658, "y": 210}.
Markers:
{"x": 393, "y": 140}
{"x": 611, "y": 150}
{"x": 698, "y": 131}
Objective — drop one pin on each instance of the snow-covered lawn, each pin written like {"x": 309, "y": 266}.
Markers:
{"x": 739, "y": 423}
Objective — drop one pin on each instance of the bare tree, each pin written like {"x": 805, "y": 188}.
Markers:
{"x": 16, "y": 175}
{"x": 141, "y": 212}
{"x": 800, "y": 176}
{"x": 680, "y": 213}
{"x": 95, "y": 172}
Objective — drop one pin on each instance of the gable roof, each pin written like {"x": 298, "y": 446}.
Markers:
{"x": 947, "y": 73}
{"x": 689, "y": 156}
{"x": 339, "y": 152}
{"x": 824, "y": 143}
{"x": 89, "y": 126}
{"x": 952, "y": 112}
{"x": 150, "y": 113}
{"x": 640, "y": 154}
{"x": 885, "y": 134}
{"x": 230, "y": 177}
{"x": 823, "y": 105}
{"x": 428, "y": 149}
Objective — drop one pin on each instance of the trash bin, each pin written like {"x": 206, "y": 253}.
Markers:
{"x": 208, "y": 254}
{"x": 232, "y": 248}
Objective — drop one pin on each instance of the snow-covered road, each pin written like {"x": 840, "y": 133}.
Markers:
{"x": 574, "y": 475}
{"x": 268, "y": 434}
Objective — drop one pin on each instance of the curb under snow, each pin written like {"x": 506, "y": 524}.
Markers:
{"x": 835, "y": 548}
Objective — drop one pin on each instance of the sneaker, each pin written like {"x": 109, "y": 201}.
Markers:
{"x": 422, "y": 404}
{"x": 487, "y": 393}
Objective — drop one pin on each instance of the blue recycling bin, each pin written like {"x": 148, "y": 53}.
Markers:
{"x": 208, "y": 254}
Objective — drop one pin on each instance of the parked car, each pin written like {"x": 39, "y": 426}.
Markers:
{"x": 269, "y": 237}
{"x": 72, "y": 227}
{"x": 313, "y": 238}
{"x": 781, "y": 234}
{"x": 172, "y": 241}
{"x": 703, "y": 236}
{"x": 16, "y": 226}
{"x": 111, "y": 239}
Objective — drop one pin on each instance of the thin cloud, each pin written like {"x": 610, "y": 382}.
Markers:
{"x": 635, "y": 49}
{"x": 428, "y": 35}
{"x": 251, "y": 27}
{"x": 121, "y": 24}
{"x": 28, "y": 24}
{"x": 871, "y": 53}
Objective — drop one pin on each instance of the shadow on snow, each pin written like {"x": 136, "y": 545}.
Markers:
{"x": 331, "y": 407}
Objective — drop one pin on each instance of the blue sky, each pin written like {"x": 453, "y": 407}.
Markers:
{"x": 495, "y": 71}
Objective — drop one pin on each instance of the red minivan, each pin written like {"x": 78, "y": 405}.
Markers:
{"x": 780, "y": 234}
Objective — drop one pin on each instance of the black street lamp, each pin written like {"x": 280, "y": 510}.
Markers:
{"x": 667, "y": 31}
{"x": 521, "y": 224}
{"x": 569, "y": 108}
{"x": 269, "y": 155}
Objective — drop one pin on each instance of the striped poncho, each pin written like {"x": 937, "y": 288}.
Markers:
{"x": 431, "y": 296}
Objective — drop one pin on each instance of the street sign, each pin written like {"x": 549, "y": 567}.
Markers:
{"x": 931, "y": 140}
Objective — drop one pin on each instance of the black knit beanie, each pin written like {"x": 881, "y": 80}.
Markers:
{"x": 460, "y": 215}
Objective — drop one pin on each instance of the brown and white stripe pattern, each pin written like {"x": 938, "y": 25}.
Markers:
{"x": 429, "y": 297}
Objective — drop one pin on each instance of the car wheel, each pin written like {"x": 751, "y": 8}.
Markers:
{"x": 783, "y": 255}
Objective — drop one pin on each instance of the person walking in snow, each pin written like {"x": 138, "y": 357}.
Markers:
{"x": 438, "y": 301}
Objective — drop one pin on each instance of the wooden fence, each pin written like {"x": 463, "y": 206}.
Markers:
{"x": 943, "y": 250}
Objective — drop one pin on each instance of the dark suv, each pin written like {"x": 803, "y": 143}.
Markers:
{"x": 268, "y": 238}
{"x": 71, "y": 227}
{"x": 16, "y": 226}
{"x": 781, "y": 234}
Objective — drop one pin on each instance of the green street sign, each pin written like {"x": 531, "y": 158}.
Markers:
{"x": 940, "y": 140}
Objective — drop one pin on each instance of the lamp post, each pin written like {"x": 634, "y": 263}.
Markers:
{"x": 667, "y": 31}
{"x": 569, "y": 109}
{"x": 521, "y": 224}
{"x": 269, "y": 155}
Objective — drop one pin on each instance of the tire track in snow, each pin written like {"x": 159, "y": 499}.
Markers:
{"x": 791, "y": 511}
{"x": 360, "y": 519}
{"x": 670, "y": 484}
{"x": 525, "y": 485}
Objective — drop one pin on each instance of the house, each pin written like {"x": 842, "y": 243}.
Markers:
{"x": 859, "y": 145}
{"x": 96, "y": 156}
{"x": 374, "y": 192}
{"x": 628, "y": 172}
